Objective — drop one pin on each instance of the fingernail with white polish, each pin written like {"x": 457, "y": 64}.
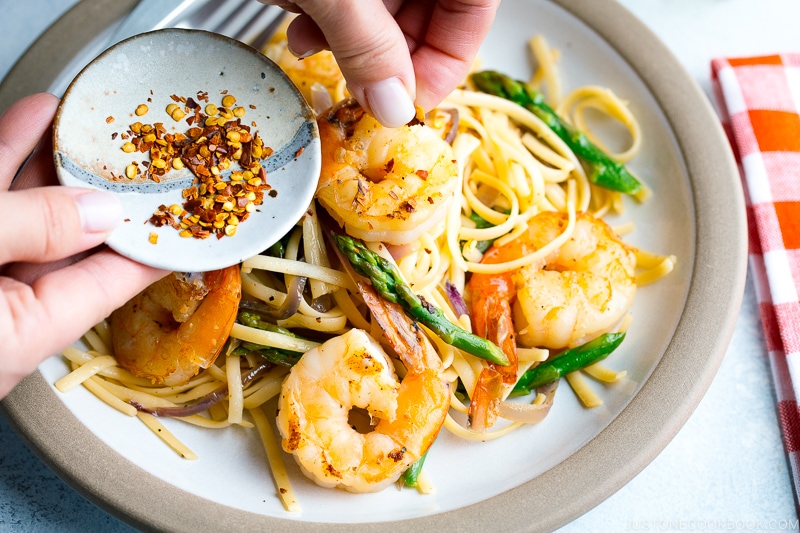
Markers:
{"x": 303, "y": 55}
{"x": 390, "y": 102}
{"x": 100, "y": 211}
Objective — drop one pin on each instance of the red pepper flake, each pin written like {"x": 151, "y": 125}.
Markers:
{"x": 423, "y": 174}
{"x": 212, "y": 144}
{"x": 407, "y": 206}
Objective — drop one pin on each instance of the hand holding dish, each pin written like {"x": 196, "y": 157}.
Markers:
{"x": 212, "y": 150}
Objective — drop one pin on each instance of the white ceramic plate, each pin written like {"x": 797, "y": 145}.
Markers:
{"x": 540, "y": 477}
{"x": 147, "y": 70}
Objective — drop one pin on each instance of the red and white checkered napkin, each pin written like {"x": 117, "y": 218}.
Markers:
{"x": 759, "y": 99}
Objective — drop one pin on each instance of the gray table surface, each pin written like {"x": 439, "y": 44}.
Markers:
{"x": 726, "y": 469}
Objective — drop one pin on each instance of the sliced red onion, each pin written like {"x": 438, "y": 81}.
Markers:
{"x": 294, "y": 293}
{"x": 450, "y": 135}
{"x": 254, "y": 373}
{"x": 323, "y": 304}
{"x": 320, "y": 98}
{"x": 198, "y": 406}
{"x": 202, "y": 404}
{"x": 456, "y": 300}
{"x": 528, "y": 413}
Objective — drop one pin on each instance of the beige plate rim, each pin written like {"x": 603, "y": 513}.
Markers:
{"x": 609, "y": 461}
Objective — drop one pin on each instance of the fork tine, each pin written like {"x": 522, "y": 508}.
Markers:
{"x": 245, "y": 20}
{"x": 260, "y": 41}
{"x": 258, "y": 21}
{"x": 240, "y": 19}
{"x": 211, "y": 15}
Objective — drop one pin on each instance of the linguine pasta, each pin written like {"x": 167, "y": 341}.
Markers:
{"x": 511, "y": 167}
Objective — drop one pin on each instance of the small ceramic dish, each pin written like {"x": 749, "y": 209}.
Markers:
{"x": 134, "y": 82}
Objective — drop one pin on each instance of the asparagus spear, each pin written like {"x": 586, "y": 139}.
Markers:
{"x": 601, "y": 169}
{"x": 410, "y": 477}
{"x": 568, "y": 361}
{"x": 253, "y": 320}
{"x": 481, "y": 223}
{"x": 388, "y": 283}
{"x": 277, "y": 356}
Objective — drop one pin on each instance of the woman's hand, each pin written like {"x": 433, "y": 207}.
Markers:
{"x": 393, "y": 53}
{"x": 56, "y": 282}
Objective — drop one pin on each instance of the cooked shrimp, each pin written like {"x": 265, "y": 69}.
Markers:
{"x": 383, "y": 184}
{"x": 309, "y": 74}
{"x": 581, "y": 290}
{"x": 584, "y": 289}
{"x": 492, "y": 295}
{"x": 353, "y": 371}
{"x": 177, "y": 325}
{"x": 318, "y": 70}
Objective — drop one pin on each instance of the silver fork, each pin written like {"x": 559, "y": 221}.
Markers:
{"x": 247, "y": 21}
